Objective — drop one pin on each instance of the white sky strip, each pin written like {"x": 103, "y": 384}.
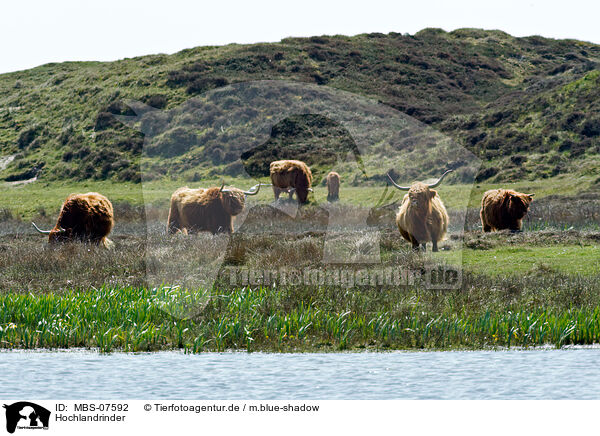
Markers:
{"x": 34, "y": 32}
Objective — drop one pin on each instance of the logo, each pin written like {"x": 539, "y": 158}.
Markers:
{"x": 26, "y": 415}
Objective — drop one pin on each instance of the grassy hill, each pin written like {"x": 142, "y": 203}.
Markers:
{"x": 528, "y": 107}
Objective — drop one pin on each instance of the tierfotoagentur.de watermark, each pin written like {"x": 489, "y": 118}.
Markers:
{"x": 437, "y": 277}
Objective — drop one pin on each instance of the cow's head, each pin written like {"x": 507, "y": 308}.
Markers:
{"x": 233, "y": 199}
{"x": 517, "y": 203}
{"x": 57, "y": 234}
{"x": 60, "y": 235}
{"x": 420, "y": 194}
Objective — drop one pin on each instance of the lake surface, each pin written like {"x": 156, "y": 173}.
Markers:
{"x": 533, "y": 374}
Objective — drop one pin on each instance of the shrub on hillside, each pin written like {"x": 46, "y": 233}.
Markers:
{"x": 204, "y": 84}
{"x": 155, "y": 123}
{"x": 197, "y": 66}
{"x": 486, "y": 173}
{"x": 591, "y": 128}
{"x": 105, "y": 120}
{"x": 27, "y": 136}
{"x": 571, "y": 120}
{"x": 129, "y": 175}
{"x": 565, "y": 145}
{"x": 158, "y": 101}
{"x": 179, "y": 78}
{"x": 172, "y": 143}
{"x": 117, "y": 107}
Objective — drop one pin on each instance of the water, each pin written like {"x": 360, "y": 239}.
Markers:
{"x": 535, "y": 374}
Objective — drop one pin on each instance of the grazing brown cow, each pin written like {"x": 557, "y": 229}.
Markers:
{"x": 83, "y": 217}
{"x": 212, "y": 209}
{"x": 504, "y": 209}
{"x": 333, "y": 186}
{"x": 289, "y": 176}
{"x": 422, "y": 216}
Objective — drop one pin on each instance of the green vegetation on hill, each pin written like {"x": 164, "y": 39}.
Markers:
{"x": 527, "y": 106}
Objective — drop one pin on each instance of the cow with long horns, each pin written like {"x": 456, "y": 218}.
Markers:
{"x": 504, "y": 209}
{"x": 212, "y": 209}
{"x": 291, "y": 176}
{"x": 83, "y": 217}
{"x": 422, "y": 216}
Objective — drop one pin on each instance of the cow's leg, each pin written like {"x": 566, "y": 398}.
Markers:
{"x": 484, "y": 223}
{"x": 486, "y": 227}
{"x": 415, "y": 243}
{"x": 290, "y": 192}
{"x": 174, "y": 220}
{"x": 435, "y": 246}
{"x": 515, "y": 226}
{"x": 276, "y": 192}
{"x": 409, "y": 238}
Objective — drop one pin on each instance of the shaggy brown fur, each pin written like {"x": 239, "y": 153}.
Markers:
{"x": 287, "y": 174}
{"x": 84, "y": 217}
{"x": 195, "y": 210}
{"x": 333, "y": 186}
{"x": 503, "y": 209}
{"x": 422, "y": 216}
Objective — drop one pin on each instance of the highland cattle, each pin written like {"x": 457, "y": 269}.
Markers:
{"x": 212, "y": 209}
{"x": 422, "y": 216}
{"x": 504, "y": 209}
{"x": 333, "y": 186}
{"x": 291, "y": 176}
{"x": 83, "y": 217}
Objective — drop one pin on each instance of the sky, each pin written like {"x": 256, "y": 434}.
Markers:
{"x": 38, "y": 32}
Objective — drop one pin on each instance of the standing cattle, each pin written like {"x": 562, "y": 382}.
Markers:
{"x": 212, "y": 209}
{"x": 422, "y": 216}
{"x": 503, "y": 209}
{"x": 83, "y": 217}
{"x": 333, "y": 186}
{"x": 289, "y": 176}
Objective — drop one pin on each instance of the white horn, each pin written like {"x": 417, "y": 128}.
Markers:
{"x": 253, "y": 191}
{"x": 402, "y": 188}
{"x": 43, "y": 232}
{"x": 440, "y": 179}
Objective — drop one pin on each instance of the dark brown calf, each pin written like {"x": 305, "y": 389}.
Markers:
{"x": 504, "y": 209}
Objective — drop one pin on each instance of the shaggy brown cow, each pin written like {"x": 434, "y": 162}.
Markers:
{"x": 503, "y": 209}
{"x": 83, "y": 217}
{"x": 212, "y": 209}
{"x": 295, "y": 174}
{"x": 422, "y": 216}
{"x": 333, "y": 186}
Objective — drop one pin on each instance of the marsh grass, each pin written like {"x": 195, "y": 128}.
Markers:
{"x": 295, "y": 319}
